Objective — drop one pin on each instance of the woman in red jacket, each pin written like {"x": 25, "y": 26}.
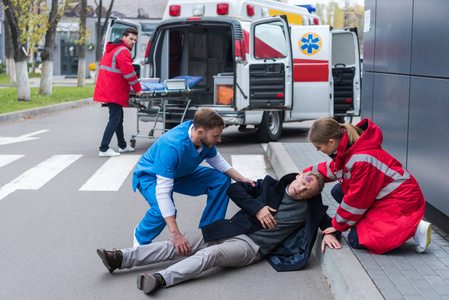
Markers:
{"x": 379, "y": 200}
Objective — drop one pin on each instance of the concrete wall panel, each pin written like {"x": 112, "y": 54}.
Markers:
{"x": 390, "y": 112}
{"x": 393, "y": 36}
{"x": 430, "y": 43}
{"x": 428, "y": 143}
{"x": 369, "y": 37}
{"x": 367, "y": 95}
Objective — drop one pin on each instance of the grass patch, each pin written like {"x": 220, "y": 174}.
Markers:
{"x": 9, "y": 102}
{"x": 4, "y": 79}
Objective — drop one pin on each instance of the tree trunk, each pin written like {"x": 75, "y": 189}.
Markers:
{"x": 9, "y": 54}
{"x": 82, "y": 46}
{"x": 20, "y": 58}
{"x": 23, "y": 83}
{"x": 11, "y": 69}
{"x": 46, "y": 85}
{"x": 100, "y": 33}
{"x": 81, "y": 70}
{"x": 33, "y": 67}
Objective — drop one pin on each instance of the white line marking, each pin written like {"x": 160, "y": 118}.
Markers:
{"x": 22, "y": 138}
{"x": 39, "y": 175}
{"x": 111, "y": 175}
{"x": 7, "y": 159}
{"x": 251, "y": 166}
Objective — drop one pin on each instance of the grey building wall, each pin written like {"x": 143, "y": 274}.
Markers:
{"x": 406, "y": 89}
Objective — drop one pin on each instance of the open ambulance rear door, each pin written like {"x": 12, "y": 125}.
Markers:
{"x": 264, "y": 81}
{"x": 312, "y": 73}
{"x": 115, "y": 31}
{"x": 346, "y": 73}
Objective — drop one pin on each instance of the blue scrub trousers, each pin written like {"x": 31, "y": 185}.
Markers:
{"x": 115, "y": 125}
{"x": 203, "y": 180}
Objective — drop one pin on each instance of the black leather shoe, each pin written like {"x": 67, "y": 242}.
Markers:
{"x": 111, "y": 259}
{"x": 149, "y": 282}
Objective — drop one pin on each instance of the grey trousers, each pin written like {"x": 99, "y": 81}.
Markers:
{"x": 237, "y": 251}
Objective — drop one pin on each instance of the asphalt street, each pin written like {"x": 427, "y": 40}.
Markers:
{"x": 50, "y": 227}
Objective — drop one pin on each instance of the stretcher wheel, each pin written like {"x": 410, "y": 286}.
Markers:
{"x": 133, "y": 143}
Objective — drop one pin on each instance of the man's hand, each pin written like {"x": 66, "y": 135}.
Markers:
{"x": 138, "y": 94}
{"x": 265, "y": 217}
{"x": 330, "y": 241}
{"x": 248, "y": 180}
{"x": 329, "y": 230}
{"x": 181, "y": 244}
{"x": 238, "y": 177}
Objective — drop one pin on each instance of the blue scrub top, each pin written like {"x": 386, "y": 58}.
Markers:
{"x": 173, "y": 155}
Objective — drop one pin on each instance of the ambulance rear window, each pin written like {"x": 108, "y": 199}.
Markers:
{"x": 270, "y": 40}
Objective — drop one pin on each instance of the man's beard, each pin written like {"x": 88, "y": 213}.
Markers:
{"x": 206, "y": 143}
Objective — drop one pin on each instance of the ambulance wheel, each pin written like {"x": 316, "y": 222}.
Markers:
{"x": 270, "y": 129}
{"x": 343, "y": 119}
{"x": 132, "y": 143}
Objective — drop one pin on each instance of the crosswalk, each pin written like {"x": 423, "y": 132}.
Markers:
{"x": 110, "y": 176}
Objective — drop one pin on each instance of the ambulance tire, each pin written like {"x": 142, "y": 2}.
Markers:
{"x": 270, "y": 129}
{"x": 343, "y": 119}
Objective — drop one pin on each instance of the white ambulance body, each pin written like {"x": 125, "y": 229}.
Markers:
{"x": 259, "y": 70}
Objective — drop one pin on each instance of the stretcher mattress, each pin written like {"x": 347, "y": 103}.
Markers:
{"x": 148, "y": 84}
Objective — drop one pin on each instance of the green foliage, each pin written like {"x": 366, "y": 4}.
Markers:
{"x": 32, "y": 17}
{"x": 350, "y": 15}
{"x": 3, "y": 68}
{"x": 9, "y": 103}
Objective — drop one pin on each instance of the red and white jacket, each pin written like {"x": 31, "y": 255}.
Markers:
{"x": 116, "y": 75}
{"x": 382, "y": 198}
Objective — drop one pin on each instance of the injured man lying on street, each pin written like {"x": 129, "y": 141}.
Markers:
{"x": 278, "y": 221}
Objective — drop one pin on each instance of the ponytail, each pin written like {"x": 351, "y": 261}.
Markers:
{"x": 353, "y": 132}
{"x": 325, "y": 128}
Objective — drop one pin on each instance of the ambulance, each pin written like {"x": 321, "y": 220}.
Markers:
{"x": 263, "y": 63}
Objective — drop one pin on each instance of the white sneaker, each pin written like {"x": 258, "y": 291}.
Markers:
{"x": 109, "y": 152}
{"x": 128, "y": 148}
{"x": 422, "y": 236}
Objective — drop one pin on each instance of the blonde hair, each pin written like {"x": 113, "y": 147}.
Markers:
{"x": 325, "y": 128}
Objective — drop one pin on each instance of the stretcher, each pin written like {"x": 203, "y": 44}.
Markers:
{"x": 156, "y": 99}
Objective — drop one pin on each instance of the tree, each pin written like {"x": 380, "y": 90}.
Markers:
{"x": 16, "y": 16}
{"x": 57, "y": 10}
{"x": 82, "y": 45}
{"x": 101, "y": 29}
{"x": 9, "y": 53}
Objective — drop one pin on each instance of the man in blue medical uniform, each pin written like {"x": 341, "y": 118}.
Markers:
{"x": 172, "y": 164}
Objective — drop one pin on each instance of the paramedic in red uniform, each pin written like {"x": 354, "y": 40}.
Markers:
{"x": 115, "y": 78}
{"x": 379, "y": 200}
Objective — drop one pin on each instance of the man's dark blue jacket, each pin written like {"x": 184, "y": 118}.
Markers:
{"x": 294, "y": 252}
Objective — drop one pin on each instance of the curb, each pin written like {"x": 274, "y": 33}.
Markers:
{"x": 345, "y": 274}
{"x": 23, "y": 114}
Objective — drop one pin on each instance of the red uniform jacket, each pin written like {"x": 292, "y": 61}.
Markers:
{"x": 116, "y": 75}
{"x": 382, "y": 198}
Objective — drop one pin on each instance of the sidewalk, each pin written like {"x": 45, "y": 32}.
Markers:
{"x": 356, "y": 274}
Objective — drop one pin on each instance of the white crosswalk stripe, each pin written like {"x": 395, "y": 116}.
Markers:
{"x": 39, "y": 175}
{"x": 7, "y": 159}
{"x": 111, "y": 175}
{"x": 251, "y": 166}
